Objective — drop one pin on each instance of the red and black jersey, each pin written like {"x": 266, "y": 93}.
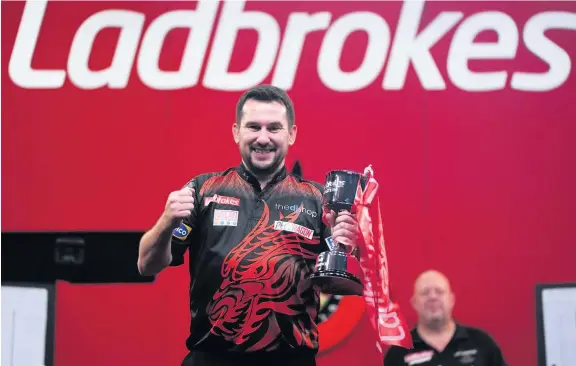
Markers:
{"x": 252, "y": 251}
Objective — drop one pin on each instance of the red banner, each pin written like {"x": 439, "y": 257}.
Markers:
{"x": 385, "y": 316}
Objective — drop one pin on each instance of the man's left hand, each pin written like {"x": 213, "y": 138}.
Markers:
{"x": 344, "y": 227}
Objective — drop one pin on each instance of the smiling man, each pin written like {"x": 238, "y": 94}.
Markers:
{"x": 438, "y": 338}
{"x": 253, "y": 233}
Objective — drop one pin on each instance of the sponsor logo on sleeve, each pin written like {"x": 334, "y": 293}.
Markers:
{"x": 182, "y": 231}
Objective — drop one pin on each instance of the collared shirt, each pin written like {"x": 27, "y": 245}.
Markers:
{"x": 251, "y": 254}
{"x": 469, "y": 346}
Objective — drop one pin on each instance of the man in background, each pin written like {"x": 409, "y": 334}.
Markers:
{"x": 438, "y": 338}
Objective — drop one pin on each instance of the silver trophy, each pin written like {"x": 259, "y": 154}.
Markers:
{"x": 338, "y": 270}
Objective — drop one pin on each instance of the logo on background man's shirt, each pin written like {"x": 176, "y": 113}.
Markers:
{"x": 418, "y": 357}
{"x": 466, "y": 356}
{"x": 222, "y": 200}
{"x": 182, "y": 231}
{"x": 294, "y": 228}
{"x": 225, "y": 218}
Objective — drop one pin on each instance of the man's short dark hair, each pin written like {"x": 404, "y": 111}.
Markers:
{"x": 266, "y": 93}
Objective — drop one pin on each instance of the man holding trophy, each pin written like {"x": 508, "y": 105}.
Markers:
{"x": 262, "y": 243}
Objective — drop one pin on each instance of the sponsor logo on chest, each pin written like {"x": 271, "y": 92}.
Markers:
{"x": 294, "y": 228}
{"x": 222, "y": 200}
{"x": 296, "y": 208}
{"x": 466, "y": 356}
{"x": 225, "y": 218}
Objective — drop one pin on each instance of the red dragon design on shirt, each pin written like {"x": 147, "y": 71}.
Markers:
{"x": 265, "y": 278}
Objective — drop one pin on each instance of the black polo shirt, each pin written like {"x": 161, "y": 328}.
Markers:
{"x": 468, "y": 346}
{"x": 252, "y": 251}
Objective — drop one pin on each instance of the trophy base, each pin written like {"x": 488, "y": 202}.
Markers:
{"x": 338, "y": 273}
{"x": 337, "y": 283}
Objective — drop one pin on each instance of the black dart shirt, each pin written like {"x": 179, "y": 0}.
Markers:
{"x": 251, "y": 255}
{"x": 469, "y": 346}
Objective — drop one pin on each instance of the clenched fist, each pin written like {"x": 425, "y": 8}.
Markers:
{"x": 179, "y": 205}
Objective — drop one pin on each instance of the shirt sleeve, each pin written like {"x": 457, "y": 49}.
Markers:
{"x": 182, "y": 235}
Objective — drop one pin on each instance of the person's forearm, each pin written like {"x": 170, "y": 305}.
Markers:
{"x": 154, "y": 252}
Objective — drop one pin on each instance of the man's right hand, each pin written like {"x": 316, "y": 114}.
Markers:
{"x": 154, "y": 253}
{"x": 179, "y": 205}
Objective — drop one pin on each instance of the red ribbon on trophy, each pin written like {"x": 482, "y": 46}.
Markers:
{"x": 387, "y": 321}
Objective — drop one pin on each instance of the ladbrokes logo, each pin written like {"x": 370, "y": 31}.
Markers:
{"x": 389, "y": 52}
{"x": 222, "y": 200}
{"x": 296, "y": 208}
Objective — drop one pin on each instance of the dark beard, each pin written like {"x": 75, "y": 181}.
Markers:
{"x": 263, "y": 173}
{"x": 437, "y": 324}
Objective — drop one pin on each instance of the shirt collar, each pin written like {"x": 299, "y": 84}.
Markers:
{"x": 250, "y": 178}
{"x": 459, "y": 333}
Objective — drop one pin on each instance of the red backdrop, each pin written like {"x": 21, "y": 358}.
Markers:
{"x": 476, "y": 170}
